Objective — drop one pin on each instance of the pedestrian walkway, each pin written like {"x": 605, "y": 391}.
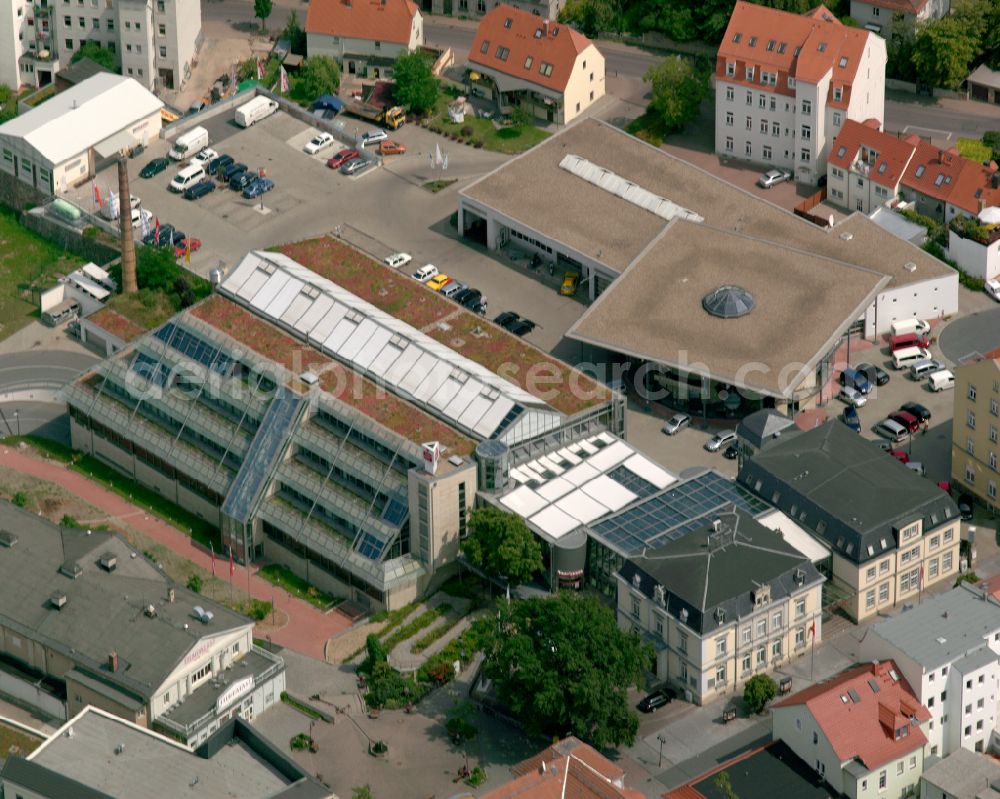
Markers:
{"x": 307, "y": 629}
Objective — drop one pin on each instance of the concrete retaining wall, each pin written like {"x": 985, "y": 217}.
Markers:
{"x": 32, "y": 695}
{"x": 68, "y": 237}
{"x": 906, "y": 86}
{"x": 18, "y": 194}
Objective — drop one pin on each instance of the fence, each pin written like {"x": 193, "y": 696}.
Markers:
{"x": 804, "y": 207}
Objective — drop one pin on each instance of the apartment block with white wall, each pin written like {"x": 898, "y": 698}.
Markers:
{"x": 785, "y": 84}
{"x": 947, "y": 649}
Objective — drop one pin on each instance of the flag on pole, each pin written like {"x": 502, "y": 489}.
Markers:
{"x": 212, "y": 547}
{"x": 232, "y": 566}
{"x": 156, "y": 234}
{"x": 284, "y": 80}
{"x": 812, "y": 629}
{"x": 113, "y": 204}
{"x": 260, "y": 69}
{"x": 921, "y": 576}
{"x": 144, "y": 221}
{"x": 97, "y": 195}
{"x": 437, "y": 155}
{"x": 187, "y": 250}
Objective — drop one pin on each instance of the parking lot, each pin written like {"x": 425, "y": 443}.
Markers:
{"x": 381, "y": 211}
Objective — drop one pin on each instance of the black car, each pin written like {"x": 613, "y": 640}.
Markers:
{"x": 154, "y": 167}
{"x": 217, "y": 163}
{"x": 918, "y": 410}
{"x": 875, "y": 374}
{"x": 177, "y": 237}
{"x": 965, "y": 506}
{"x": 659, "y": 698}
{"x": 505, "y": 318}
{"x": 522, "y": 327}
{"x": 232, "y": 169}
{"x": 459, "y": 296}
{"x": 199, "y": 189}
{"x": 473, "y": 297}
{"x": 730, "y": 452}
{"x": 165, "y": 236}
{"x": 241, "y": 180}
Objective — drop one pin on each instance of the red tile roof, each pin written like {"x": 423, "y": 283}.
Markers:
{"x": 865, "y": 729}
{"x": 974, "y": 186}
{"x": 379, "y": 20}
{"x": 569, "y": 769}
{"x": 893, "y": 154}
{"x": 805, "y": 47}
{"x": 526, "y": 36}
{"x": 933, "y": 171}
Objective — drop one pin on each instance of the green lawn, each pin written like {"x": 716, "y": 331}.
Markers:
{"x": 285, "y": 578}
{"x": 483, "y": 131}
{"x": 28, "y": 263}
{"x": 11, "y": 736}
{"x": 975, "y": 150}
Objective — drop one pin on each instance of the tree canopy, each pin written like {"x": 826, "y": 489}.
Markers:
{"x": 501, "y": 545}
{"x": 319, "y": 75}
{"x": 758, "y": 691}
{"x": 943, "y": 50}
{"x": 677, "y": 89}
{"x": 593, "y": 16}
{"x": 8, "y": 103}
{"x": 262, "y": 10}
{"x": 294, "y": 33}
{"x": 416, "y": 86}
{"x": 101, "y": 55}
{"x": 562, "y": 666}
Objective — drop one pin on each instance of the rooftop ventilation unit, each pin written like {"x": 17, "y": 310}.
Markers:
{"x": 71, "y": 569}
{"x": 58, "y": 600}
{"x": 7, "y": 539}
{"x": 309, "y": 378}
{"x": 847, "y": 236}
{"x": 909, "y": 266}
{"x": 108, "y": 561}
{"x": 150, "y": 611}
{"x": 202, "y": 615}
{"x": 455, "y": 460}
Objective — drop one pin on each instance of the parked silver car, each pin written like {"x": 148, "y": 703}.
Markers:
{"x": 773, "y": 177}
{"x": 721, "y": 440}
{"x": 676, "y": 423}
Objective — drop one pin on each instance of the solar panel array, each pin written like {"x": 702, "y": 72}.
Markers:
{"x": 151, "y": 369}
{"x": 195, "y": 349}
{"x": 458, "y": 390}
{"x": 678, "y": 510}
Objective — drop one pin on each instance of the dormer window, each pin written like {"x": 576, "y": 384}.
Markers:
{"x": 753, "y": 41}
{"x": 770, "y": 45}
{"x": 485, "y": 46}
{"x": 508, "y": 22}
{"x": 843, "y": 61}
{"x": 737, "y": 38}
{"x": 838, "y": 94}
{"x": 528, "y": 62}
{"x": 749, "y": 73}
{"x": 782, "y": 47}
{"x": 920, "y": 171}
{"x": 538, "y": 33}
{"x": 731, "y": 69}
{"x": 821, "y": 47}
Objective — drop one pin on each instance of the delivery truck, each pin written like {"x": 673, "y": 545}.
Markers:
{"x": 189, "y": 144}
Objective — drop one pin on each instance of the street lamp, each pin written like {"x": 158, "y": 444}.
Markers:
{"x": 17, "y": 423}
{"x": 662, "y": 740}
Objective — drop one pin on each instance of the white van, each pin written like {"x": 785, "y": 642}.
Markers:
{"x": 891, "y": 430}
{"x": 258, "y": 108}
{"x": 940, "y": 381}
{"x": 425, "y": 273}
{"x": 909, "y": 355}
{"x": 188, "y": 144}
{"x": 902, "y": 327}
{"x": 186, "y": 178}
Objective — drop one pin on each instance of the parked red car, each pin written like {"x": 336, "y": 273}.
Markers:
{"x": 907, "y": 420}
{"x": 900, "y": 455}
{"x": 908, "y": 340}
{"x": 180, "y": 250}
{"x": 342, "y": 158}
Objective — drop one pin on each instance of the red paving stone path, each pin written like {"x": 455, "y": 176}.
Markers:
{"x": 307, "y": 630}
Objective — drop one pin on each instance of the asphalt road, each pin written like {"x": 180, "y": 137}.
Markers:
{"x": 971, "y": 335}
{"x": 28, "y": 384}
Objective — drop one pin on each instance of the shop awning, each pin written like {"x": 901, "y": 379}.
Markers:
{"x": 113, "y": 145}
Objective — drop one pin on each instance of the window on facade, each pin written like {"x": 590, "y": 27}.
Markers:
{"x": 746, "y": 634}
{"x": 160, "y": 6}
{"x": 970, "y": 473}
{"x": 69, "y": 44}
{"x": 720, "y": 675}
{"x": 776, "y": 648}
{"x": 806, "y": 133}
{"x": 883, "y": 593}
{"x": 762, "y": 101}
{"x": 682, "y": 644}
{"x": 761, "y": 656}
{"x": 730, "y": 93}
{"x": 946, "y": 562}
{"x": 749, "y": 98}
{"x": 766, "y": 152}
{"x": 163, "y": 52}
{"x": 775, "y": 129}
{"x": 882, "y": 780}
{"x": 838, "y": 95}
{"x": 763, "y": 126}
{"x": 869, "y": 600}
{"x": 720, "y": 646}
{"x": 815, "y": 737}
{"x": 800, "y": 637}
{"x": 870, "y": 574}
{"x": 991, "y": 489}
{"x": 729, "y": 144}
{"x": 807, "y": 107}
{"x": 746, "y": 665}
{"x": 972, "y": 392}
{"x": 761, "y": 628}
{"x": 805, "y": 155}
{"x": 749, "y": 150}
{"x": 729, "y": 119}
{"x": 659, "y": 627}
{"x": 485, "y": 46}
{"x": 636, "y": 607}
{"x": 731, "y": 71}
{"x": 800, "y": 608}
{"x": 163, "y": 29}
{"x": 749, "y": 73}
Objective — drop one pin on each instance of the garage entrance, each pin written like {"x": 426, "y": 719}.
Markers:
{"x": 474, "y": 227}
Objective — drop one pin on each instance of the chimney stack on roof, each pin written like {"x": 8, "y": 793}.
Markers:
{"x": 171, "y": 595}
{"x": 113, "y": 662}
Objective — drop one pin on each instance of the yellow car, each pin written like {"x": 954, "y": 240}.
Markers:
{"x": 571, "y": 282}
{"x": 438, "y": 282}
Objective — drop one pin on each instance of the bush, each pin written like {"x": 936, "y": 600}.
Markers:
{"x": 194, "y": 583}
{"x": 968, "y": 577}
{"x": 477, "y": 777}
{"x": 758, "y": 691}
{"x": 466, "y": 130}
{"x": 20, "y": 499}
{"x": 301, "y": 741}
{"x": 258, "y": 609}
{"x": 68, "y": 521}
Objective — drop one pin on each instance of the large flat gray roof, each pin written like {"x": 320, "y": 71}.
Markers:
{"x": 104, "y": 611}
{"x": 150, "y": 766}
{"x": 540, "y": 195}
{"x": 803, "y": 303}
{"x": 945, "y": 627}
{"x": 965, "y": 774}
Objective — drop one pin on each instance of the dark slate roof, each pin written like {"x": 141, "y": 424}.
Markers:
{"x": 706, "y": 570}
{"x": 844, "y": 490}
{"x": 763, "y": 426}
{"x": 80, "y": 71}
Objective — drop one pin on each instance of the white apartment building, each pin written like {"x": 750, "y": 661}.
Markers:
{"x": 900, "y": 17}
{"x": 157, "y": 41}
{"x": 947, "y": 649}
{"x": 786, "y": 83}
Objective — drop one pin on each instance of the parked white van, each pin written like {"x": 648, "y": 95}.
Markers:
{"x": 188, "y": 144}
{"x": 909, "y": 355}
{"x": 902, "y": 327}
{"x": 258, "y": 108}
{"x": 186, "y": 178}
{"x": 940, "y": 381}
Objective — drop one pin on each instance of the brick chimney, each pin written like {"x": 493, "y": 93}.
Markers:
{"x": 113, "y": 662}
{"x": 130, "y": 284}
